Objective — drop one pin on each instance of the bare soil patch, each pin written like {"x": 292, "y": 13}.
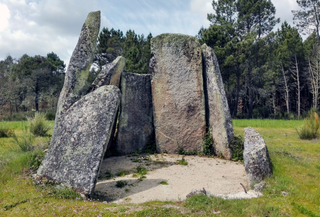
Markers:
{"x": 166, "y": 179}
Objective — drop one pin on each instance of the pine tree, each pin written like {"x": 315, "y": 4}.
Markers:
{"x": 307, "y": 19}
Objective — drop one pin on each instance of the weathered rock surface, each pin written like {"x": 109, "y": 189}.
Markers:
{"x": 256, "y": 157}
{"x": 76, "y": 82}
{"x": 135, "y": 128}
{"x": 177, "y": 92}
{"x": 218, "y": 113}
{"x": 111, "y": 74}
{"x": 75, "y": 155}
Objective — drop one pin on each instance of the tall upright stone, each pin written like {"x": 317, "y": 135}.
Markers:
{"x": 135, "y": 128}
{"x": 82, "y": 129}
{"x": 111, "y": 74}
{"x": 75, "y": 155}
{"x": 217, "y": 109}
{"x": 177, "y": 92}
{"x": 76, "y": 82}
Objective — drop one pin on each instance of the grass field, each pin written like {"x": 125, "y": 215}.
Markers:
{"x": 296, "y": 169}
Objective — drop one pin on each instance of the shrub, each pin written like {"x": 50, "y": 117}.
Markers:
{"x": 38, "y": 125}
{"x": 36, "y": 159}
{"x": 141, "y": 170}
{"x": 207, "y": 145}
{"x": 237, "y": 147}
{"x": 309, "y": 129}
{"x": 50, "y": 115}
{"x": 122, "y": 173}
{"x": 6, "y": 132}
{"x": 25, "y": 142}
{"x": 182, "y": 161}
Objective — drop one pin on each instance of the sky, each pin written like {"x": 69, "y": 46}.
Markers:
{"x": 38, "y": 27}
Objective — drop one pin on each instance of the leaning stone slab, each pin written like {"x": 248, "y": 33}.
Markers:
{"x": 218, "y": 113}
{"x": 135, "y": 128}
{"x": 177, "y": 92}
{"x": 75, "y": 155}
{"x": 111, "y": 74}
{"x": 256, "y": 157}
{"x": 76, "y": 82}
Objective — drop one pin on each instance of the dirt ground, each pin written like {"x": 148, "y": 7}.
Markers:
{"x": 166, "y": 179}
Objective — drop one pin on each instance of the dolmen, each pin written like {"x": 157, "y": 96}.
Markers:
{"x": 174, "y": 107}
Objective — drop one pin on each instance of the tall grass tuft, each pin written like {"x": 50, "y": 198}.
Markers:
{"x": 25, "y": 142}
{"x": 38, "y": 125}
{"x": 309, "y": 129}
{"x": 6, "y": 132}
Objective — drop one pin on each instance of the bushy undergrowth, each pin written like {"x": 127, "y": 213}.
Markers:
{"x": 237, "y": 147}
{"x": 38, "y": 125}
{"x": 25, "y": 142}
{"x": 6, "y": 132}
{"x": 207, "y": 145}
{"x": 310, "y": 127}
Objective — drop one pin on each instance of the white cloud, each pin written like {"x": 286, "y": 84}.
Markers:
{"x": 37, "y": 27}
{"x": 4, "y": 16}
{"x": 283, "y": 10}
{"x": 201, "y": 8}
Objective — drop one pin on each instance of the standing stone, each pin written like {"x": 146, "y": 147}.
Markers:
{"x": 256, "y": 158}
{"x": 111, "y": 74}
{"x": 135, "y": 128}
{"x": 76, "y": 82}
{"x": 217, "y": 113}
{"x": 177, "y": 92}
{"x": 75, "y": 155}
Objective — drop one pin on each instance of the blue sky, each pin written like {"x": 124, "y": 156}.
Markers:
{"x": 37, "y": 27}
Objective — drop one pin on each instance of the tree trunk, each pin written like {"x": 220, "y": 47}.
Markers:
{"x": 314, "y": 81}
{"x": 274, "y": 98}
{"x": 286, "y": 89}
{"x": 235, "y": 110}
{"x": 249, "y": 85}
{"x": 298, "y": 84}
{"x": 36, "y": 98}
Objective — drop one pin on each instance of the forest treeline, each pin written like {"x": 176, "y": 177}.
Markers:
{"x": 33, "y": 83}
{"x": 267, "y": 73}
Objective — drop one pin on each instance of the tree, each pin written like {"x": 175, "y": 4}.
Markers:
{"x": 135, "y": 48}
{"x": 110, "y": 44}
{"x": 55, "y": 63}
{"x": 313, "y": 60}
{"x": 35, "y": 76}
{"x": 256, "y": 16}
{"x": 307, "y": 19}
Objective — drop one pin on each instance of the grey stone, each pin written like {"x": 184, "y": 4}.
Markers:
{"x": 177, "y": 93}
{"x": 256, "y": 157}
{"x": 259, "y": 187}
{"x": 75, "y": 155}
{"x": 76, "y": 83}
{"x": 135, "y": 128}
{"x": 217, "y": 112}
{"x": 111, "y": 74}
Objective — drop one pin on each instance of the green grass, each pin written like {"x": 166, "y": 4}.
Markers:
{"x": 182, "y": 162}
{"x": 296, "y": 170}
{"x": 267, "y": 123}
{"x": 122, "y": 173}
